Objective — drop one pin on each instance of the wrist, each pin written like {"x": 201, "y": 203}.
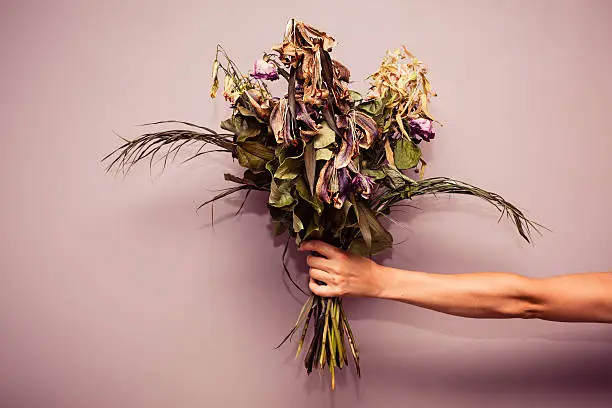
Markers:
{"x": 391, "y": 282}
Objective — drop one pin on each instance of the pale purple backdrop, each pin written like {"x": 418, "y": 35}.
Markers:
{"x": 116, "y": 293}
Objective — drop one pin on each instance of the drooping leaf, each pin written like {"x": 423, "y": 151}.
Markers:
{"x": 280, "y": 194}
{"x": 364, "y": 226}
{"x": 380, "y": 239}
{"x": 406, "y": 154}
{"x": 289, "y": 169}
{"x": 242, "y": 127}
{"x": 324, "y": 137}
{"x": 310, "y": 164}
{"x": 297, "y": 224}
{"x": 315, "y": 229}
{"x": 260, "y": 178}
{"x": 304, "y": 193}
{"x": 396, "y": 178}
{"x": 249, "y": 160}
{"x": 375, "y": 174}
{"x": 258, "y": 149}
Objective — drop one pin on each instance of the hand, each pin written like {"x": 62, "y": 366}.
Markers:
{"x": 344, "y": 274}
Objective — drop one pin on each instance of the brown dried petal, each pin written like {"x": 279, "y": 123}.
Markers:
{"x": 368, "y": 128}
{"x": 341, "y": 71}
{"x": 323, "y": 182}
{"x": 278, "y": 121}
{"x": 347, "y": 149}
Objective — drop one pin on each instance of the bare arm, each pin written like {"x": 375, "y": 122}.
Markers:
{"x": 580, "y": 297}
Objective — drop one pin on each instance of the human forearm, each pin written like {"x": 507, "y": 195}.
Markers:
{"x": 585, "y": 297}
{"x": 479, "y": 295}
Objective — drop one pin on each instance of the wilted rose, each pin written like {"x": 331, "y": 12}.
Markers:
{"x": 264, "y": 70}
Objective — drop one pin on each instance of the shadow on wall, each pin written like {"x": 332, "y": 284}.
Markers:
{"x": 533, "y": 371}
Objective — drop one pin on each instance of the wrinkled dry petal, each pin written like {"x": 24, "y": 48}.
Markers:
{"x": 278, "y": 121}
{"x": 347, "y": 149}
{"x": 301, "y": 113}
{"x": 322, "y": 188}
{"x": 367, "y": 128}
{"x": 307, "y": 135}
{"x": 258, "y": 103}
{"x": 362, "y": 185}
{"x": 341, "y": 71}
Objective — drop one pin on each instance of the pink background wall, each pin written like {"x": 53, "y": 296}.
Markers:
{"x": 115, "y": 293}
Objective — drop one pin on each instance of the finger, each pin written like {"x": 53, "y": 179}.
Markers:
{"x": 318, "y": 262}
{"x": 321, "y": 290}
{"x": 321, "y": 276}
{"x": 325, "y": 249}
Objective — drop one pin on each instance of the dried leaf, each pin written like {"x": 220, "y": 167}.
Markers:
{"x": 323, "y": 154}
{"x": 297, "y": 224}
{"x": 406, "y": 154}
{"x": 304, "y": 193}
{"x": 280, "y": 194}
{"x": 289, "y": 169}
{"x": 310, "y": 165}
{"x": 324, "y": 137}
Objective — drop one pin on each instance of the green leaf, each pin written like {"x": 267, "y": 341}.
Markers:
{"x": 379, "y": 238}
{"x": 396, "y": 177}
{"x": 315, "y": 229}
{"x": 242, "y": 127}
{"x": 323, "y": 154}
{"x": 373, "y": 107}
{"x": 406, "y": 154}
{"x": 310, "y": 164}
{"x": 280, "y": 194}
{"x": 304, "y": 193}
{"x": 356, "y": 96}
{"x": 249, "y": 160}
{"x": 289, "y": 169}
{"x": 297, "y": 224}
{"x": 259, "y": 178}
{"x": 375, "y": 174}
{"x": 258, "y": 149}
{"x": 325, "y": 137}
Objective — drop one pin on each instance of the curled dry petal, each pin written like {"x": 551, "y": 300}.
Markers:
{"x": 341, "y": 121}
{"x": 302, "y": 114}
{"x": 344, "y": 186}
{"x": 260, "y": 104}
{"x": 314, "y": 93}
{"x": 347, "y": 150}
{"x": 362, "y": 185}
{"x": 341, "y": 71}
{"x": 367, "y": 129}
{"x": 280, "y": 122}
{"x": 306, "y": 35}
{"x": 307, "y": 135}
{"x": 322, "y": 188}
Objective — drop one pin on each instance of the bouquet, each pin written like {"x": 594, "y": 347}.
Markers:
{"x": 332, "y": 162}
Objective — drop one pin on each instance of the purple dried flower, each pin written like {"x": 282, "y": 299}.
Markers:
{"x": 264, "y": 70}
{"x": 344, "y": 185}
{"x": 422, "y": 129}
{"x": 363, "y": 185}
